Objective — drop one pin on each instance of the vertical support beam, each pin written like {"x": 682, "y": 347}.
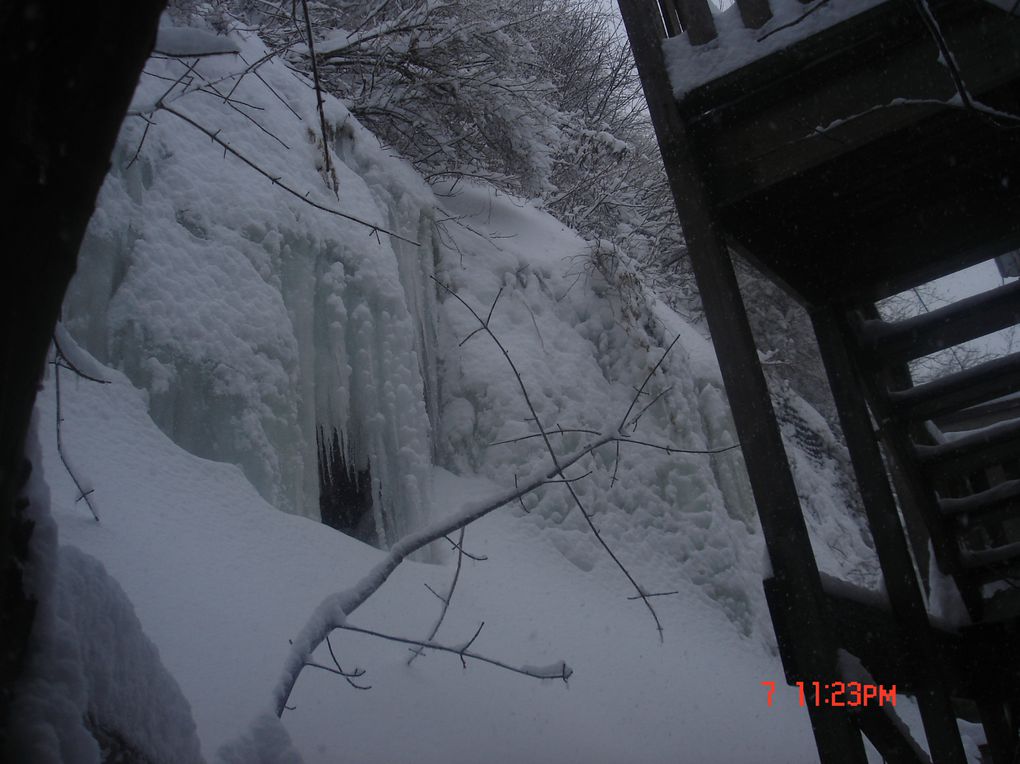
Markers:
{"x": 696, "y": 17}
{"x": 795, "y": 574}
{"x": 998, "y": 732}
{"x": 890, "y": 543}
{"x": 754, "y": 12}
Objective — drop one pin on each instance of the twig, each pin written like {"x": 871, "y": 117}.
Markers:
{"x": 335, "y": 608}
{"x": 438, "y": 596}
{"x": 349, "y": 676}
{"x": 793, "y": 23}
{"x": 82, "y": 493}
{"x": 558, "y": 431}
{"x": 465, "y": 552}
{"x": 946, "y": 55}
{"x": 616, "y": 465}
{"x": 445, "y": 600}
{"x": 520, "y": 498}
{"x": 655, "y": 594}
{"x": 330, "y": 172}
{"x": 641, "y": 389}
{"x": 552, "y": 452}
{"x": 558, "y": 671}
{"x": 634, "y": 421}
{"x": 61, "y": 356}
{"x": 141, "y": 142}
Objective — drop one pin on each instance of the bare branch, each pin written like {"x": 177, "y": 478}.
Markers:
{"x": 466, "y": 553}
{"x": 637, "y": 395}
{"x": 336, "y": 607}
{"x": 521, "y": 497}
{"x": 334, "y": 610}
{"x": 793, "y": 23}
{"x": 557, "y": 431}
{"x": 82, "y": 492}
{"x": 351, "y": 676}
{"x": 275, "y": 180}
{"x": 559, "y": 468}
{"x": 445, "y": 600}
{"x": 141, "y": 142}
{"x": 65, "y": 362}
{"x": 654, "y": 594}
{"x": 328, "y": 168}
{"x": 634, "y": 422}
{"x": 558, "y": 670}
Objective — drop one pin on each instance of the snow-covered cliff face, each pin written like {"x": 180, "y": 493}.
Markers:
{"x": 255, "y": 321}
{"x": 251, "y": 318}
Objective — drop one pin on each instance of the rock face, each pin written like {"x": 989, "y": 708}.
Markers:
{"x": 252, "y": 319}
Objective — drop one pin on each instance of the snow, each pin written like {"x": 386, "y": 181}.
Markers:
{"x": 188, "y": 41}
{"x": 735, "y": 46}
{"x": 221, "y": 581}
{"x": 91, "y": 666}
{"x": 232, "y": 320}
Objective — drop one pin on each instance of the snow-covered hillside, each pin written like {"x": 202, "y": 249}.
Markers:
{"x": 235, "y": 322}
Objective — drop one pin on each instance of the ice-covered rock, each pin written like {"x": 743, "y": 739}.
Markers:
{"x": 251, "y": 318}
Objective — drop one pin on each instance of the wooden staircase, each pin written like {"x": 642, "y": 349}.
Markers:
{"x": 870, "y": 154}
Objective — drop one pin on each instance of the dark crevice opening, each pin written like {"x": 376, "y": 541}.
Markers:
{"x": 345, "y": 491}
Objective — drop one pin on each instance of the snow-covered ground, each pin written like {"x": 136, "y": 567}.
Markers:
{"x": 221, "y": 581}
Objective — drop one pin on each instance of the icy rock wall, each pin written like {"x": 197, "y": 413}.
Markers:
{"x": 583, "y": 341}
{"x": 678, "y": 521}
{"x": 250, "y": 317}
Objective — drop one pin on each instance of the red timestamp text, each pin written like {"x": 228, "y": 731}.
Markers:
{"x": 840, "y": 694}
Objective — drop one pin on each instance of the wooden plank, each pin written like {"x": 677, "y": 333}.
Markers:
{"x": 953, "y": 392}
{"x": 889, "y": 216}
{"x": 783, "y": 527}
{"x": 670, "y": 17}
{"x": 969, "y": 453}
{"x": 901, "y": 581}
{"x": 697, "y": 21}
{"x": 1004, "y": 496}
{"x": 895, "y": 343}
{"x": 1000, "y": 733}
{"x": 890, "y": 736}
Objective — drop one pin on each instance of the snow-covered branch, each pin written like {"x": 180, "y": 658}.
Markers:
{"x": 559, "y": 670}
{"x": 332, "y": 612}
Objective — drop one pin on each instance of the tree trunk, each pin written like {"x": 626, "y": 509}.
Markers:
{"x": 70, "y": 70}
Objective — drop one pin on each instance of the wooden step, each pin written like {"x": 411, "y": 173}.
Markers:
{"x": 952, "y": 392}
{"x": 884, "y": 343}
{"x": 969, "y": 453}
{"x": 999, "y": 497}
{"x": 999, "y": 562}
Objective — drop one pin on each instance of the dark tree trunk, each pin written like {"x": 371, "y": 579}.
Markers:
{"x": 69, "y": 72}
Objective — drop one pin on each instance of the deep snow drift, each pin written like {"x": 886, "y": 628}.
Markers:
{"x": 234, "y": 320}
{"x": 221, "y": 581}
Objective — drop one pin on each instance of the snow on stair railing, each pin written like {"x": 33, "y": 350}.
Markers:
{"x": 694, "y": 17}
{"x": 702, "y": 46}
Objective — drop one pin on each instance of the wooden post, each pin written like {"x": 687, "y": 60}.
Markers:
{"x": 890, "y": 544}
{"x": 754, "y": 12}
{"x": 795, "y": 574}
{"x": 696, "y": 17}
